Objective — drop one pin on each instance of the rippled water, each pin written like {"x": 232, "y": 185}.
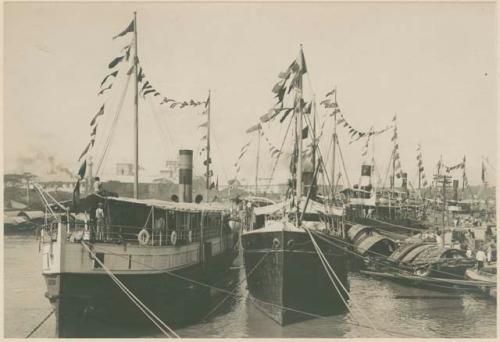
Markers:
{"x": 392, "y": 309}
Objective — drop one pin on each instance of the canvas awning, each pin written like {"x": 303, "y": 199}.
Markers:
{"x": 94, "y": 199}
{"x": 313, "y": 207}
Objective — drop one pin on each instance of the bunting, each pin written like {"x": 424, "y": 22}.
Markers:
{"x": 129, "y": 29}
{"x": 148, "y": 89}
{"x": 243, "y": 151}
{"x": 397, "y": 162}
{"x": 460, "y": 165}
{"x": 355, "y": 134}
{"x": 420, "y": 163}
{"x": 254, "y": 128}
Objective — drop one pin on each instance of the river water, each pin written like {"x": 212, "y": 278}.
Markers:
{"x": 393, "y": 310}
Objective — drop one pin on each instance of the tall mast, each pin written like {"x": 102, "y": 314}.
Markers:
{"x": 136, "y": 116}
{"x": 257, "y": 162}
{"x": 334, "y": 144}
{"x": 313, "y": 183}
{"x": 208, "y": 145}
{"x": 299, "y": 134}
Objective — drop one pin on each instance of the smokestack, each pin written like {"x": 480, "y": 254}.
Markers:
{"x": 366, "y": 174}
{"x": 455, "y": 189}
{"x": 185, "y": 175}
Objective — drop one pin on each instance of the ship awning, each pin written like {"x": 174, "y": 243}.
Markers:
{"x": 94, "y": 199}
{"x": 313, "y": 207}
{"x": 32, "y": 215}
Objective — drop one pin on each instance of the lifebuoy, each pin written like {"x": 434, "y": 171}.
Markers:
{"x": 190, "y": 236}
{"x": 143, "y": 237}
{"x": 173, "y": 237}
{"x": 290, "y": 243}
{"x": 276, "y": 243}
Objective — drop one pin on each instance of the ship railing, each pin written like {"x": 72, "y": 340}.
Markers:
{"x": 127, "y": 234}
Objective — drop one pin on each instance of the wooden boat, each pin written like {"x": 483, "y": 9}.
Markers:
{"x": 368, "y": 245}
{"x": 486, "y": 274}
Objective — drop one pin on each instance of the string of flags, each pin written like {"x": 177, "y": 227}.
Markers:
{"x": 243, "y": 151}
{"x": 355, "y": 134}
{"x": 367, "y": 143}
{"x": 105, "y": 85}
{"x": 397, "y": 162}
{"x": 148, "y": 89}
{"x": 288, "y": 80}
{"x": 460, "y": 165}
{"x": 420, "y": 163}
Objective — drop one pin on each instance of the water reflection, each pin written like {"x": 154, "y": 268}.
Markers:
{"x": 389, "y": 306}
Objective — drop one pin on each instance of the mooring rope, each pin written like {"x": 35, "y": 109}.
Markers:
{"x": 328, "y": 268}
{"x": 40, "y": 324}
{"x": 236, "y": 287}
{"x": 398, "y": 269}
{"x": 147, "y": 312}
{"x": 256, "y": 299}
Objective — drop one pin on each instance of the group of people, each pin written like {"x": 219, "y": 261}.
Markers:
{"x": 483, "y": 255}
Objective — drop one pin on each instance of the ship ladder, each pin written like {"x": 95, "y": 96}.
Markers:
{"x": 329, "y": 271}
{"x": 147, "y": 312}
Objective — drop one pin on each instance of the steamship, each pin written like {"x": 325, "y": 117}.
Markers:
{"x": 390, "y": 210}
{"x": 164, "y": 252}
{"x": 286, "y": 278}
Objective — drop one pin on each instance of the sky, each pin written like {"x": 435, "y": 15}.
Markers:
{"x": 432, "y": 64}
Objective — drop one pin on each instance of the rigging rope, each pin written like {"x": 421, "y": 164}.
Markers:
{"x": 147, "y": 312}
{"x": 161, "y": 127}
{"x": 279, "y": 155}
{"x": 40, "y": 324}
{"x": 236, "y": 287}
{"x": 113, "y": 125}
{"x": 328, "y": 268}
{"x": 239, "y": 295}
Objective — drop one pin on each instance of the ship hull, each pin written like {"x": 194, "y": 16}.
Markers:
{"x": 288, "y": 282}
{"x": 92, "y": 305}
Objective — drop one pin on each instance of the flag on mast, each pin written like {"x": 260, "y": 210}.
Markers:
{"x": 129, "y": 29}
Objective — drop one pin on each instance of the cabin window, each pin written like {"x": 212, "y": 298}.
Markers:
{"x": 195, "y": 226}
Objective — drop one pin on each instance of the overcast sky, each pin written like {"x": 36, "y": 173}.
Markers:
{"x": 432, "y": 64}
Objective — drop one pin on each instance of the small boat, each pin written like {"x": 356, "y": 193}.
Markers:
{"x": 486, "y": 274}
{"x": 369, "y": 245}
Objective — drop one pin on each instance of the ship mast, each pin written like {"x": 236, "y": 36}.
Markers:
{"x": 136, "y": 114}
{"x": 208, "y": 146}
{"x": 334, "y": 144}
{"x": 298, "y": 134}
{"x": 257, "y": 161}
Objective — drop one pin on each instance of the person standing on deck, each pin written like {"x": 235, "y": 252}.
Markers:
{"x": 480, "y": 258}
{"x": 100, "y": 222}
{"x": 98, "y": 186}
{"x": 468, "y": 253}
